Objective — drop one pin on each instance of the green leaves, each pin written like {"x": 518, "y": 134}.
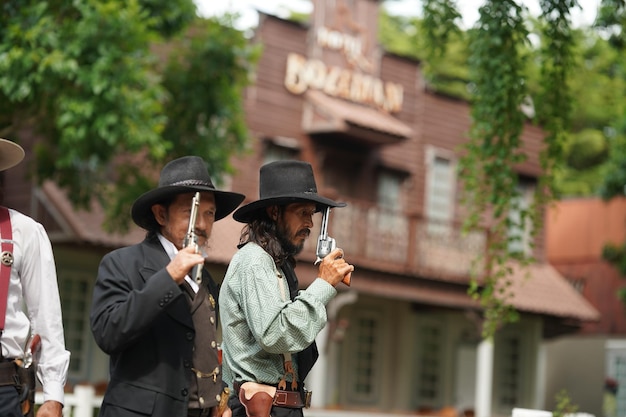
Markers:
{"x": 206, "y": 84}
{"x": 88, "y": 76}
{"x": 499, "y": 49}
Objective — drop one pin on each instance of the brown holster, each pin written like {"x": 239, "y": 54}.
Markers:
{"x": 27, "y": 390}
{"x": 257, "y": 398}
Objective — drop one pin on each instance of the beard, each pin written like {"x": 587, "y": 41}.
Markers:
{"x": 284, "y": 233}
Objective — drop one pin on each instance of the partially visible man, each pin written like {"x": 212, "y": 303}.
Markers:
{"x": 268, "y": 325}
{"x": 155, "y": 322}
{"x": 28, "y": 279}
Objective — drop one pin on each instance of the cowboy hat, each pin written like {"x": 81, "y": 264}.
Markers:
{"x": 284, "y": 182}
{"x": 183, "y": 175}
{"x": 11, "y": 154}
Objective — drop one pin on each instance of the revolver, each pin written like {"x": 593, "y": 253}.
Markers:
{"x": 191, "y": 238}
{"x": 325, "y": 243}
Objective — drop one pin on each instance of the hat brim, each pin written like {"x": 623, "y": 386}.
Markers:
{"x": 11, "y": 154}
{"x": 248, "y": 212}
{"x": 141, "y": 212}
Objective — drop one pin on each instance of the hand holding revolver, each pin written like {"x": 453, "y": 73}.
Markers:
{"x": 327, "y": 250}
{"x": 186, "y": 259}
{"x": 334, "y": 269}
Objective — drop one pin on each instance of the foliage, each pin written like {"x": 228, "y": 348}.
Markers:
{"x": 587, "y": 148}
{"x": 440, "y": 18}
{"x": 564, "y": 405}
{"x": 493, "y": 150}
{"x": 401, "y": 35}
{"x": 498, "y": 62}
{"x": 83, "y": 73}
{"x": 577, "y": 81}
{"x": 595, "y": 83}
{"x": 211, "y": 124}
{"x": 612, "y": 19}
{"x": 446, "y": 70}
{"x": 616, "y": 255}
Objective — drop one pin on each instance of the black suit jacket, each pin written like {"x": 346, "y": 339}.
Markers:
{"x": 141, "y": 318}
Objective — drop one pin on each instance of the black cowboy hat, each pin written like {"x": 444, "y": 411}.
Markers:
{"x": 11, "y": 154}
{"x": 284, "y": 182}
{"x": 183, "y": 175}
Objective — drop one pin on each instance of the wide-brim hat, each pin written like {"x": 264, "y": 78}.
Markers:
{"x": 183, "y": 175}
{"x": 11, "y": 154}
{"x": 284, "y": 182}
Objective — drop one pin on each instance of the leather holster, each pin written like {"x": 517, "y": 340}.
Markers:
{"x": 27, "y": 390}
{"x": 257, "y": 398}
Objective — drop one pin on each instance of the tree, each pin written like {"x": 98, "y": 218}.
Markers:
{"x": 89, "y": 77}
{"x": 497, "y": 63}
{"x": 612, "y": 18}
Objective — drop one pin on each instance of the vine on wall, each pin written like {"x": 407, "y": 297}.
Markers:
{"x": 499, "y": 46}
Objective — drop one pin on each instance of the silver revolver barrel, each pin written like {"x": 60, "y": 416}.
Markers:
{"x": 191, "y": 238}
{"x": 325, "y": 243}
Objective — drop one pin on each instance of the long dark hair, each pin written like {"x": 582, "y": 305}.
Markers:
{"x": 264, "y": 232}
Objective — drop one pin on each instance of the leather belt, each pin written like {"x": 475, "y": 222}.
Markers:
{"x": 199, "y": 412}
{"x": 8, "y": 374}
{"x": 291, "y": 399}
{"x": 282, "y": 398}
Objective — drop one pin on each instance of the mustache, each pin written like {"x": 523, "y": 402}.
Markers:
{"x": 200, "y": 233}
{"x": 304, "y": 232}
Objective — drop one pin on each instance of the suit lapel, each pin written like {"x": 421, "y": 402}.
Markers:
{"x": 155, "y": 259}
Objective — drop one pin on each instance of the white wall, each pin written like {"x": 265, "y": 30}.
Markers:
{"x": 576, "y": 364}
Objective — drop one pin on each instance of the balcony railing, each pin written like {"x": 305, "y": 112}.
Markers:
{"x": 390, "y": 241}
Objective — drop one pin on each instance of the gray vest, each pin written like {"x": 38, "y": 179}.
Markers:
{"x": 206, "y": 375}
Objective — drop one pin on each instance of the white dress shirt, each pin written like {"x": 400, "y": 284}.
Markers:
{"x": 33, "y": 305}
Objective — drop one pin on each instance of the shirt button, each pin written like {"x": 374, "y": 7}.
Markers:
{"x": 189, "y": 336}
{"x": 218, "y": 397}
{"x": 186, "y": 363}
{"x": 184, "y": 392}
{"x": 212, "y": 320}
{"x": 201, "y": 401}
{"x": 213, "y": 344}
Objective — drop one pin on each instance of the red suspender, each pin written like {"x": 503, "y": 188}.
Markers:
{"x": 6, "y": 260}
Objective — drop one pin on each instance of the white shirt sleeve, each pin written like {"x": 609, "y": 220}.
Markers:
{"x": 34, "y": 288}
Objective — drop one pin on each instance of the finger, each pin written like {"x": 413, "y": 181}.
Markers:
{"x": 338, "y": 253}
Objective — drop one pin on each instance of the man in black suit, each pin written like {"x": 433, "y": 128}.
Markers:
{"x": 157, "y": 324}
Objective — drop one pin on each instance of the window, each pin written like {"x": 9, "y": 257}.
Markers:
{"x": 280, "y": 148}
{"x": 440, "y": 191}
{"x": 515, "y": 364}
{"x": 389, "y": 185}
{"x": 75, "y": 290}
{"x": 509, "y": 372}
{"x": 390, "y": 223}
{"x": 520, "y": 229}
{"x": 366, "y": 357}
{"x": 429, "y": 363}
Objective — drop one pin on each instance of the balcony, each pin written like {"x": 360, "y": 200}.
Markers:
{"x": 408, "y": 245}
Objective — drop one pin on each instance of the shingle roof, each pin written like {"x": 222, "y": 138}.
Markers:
{"x": 540, "y": 289}
{"x": 86, "y": 226}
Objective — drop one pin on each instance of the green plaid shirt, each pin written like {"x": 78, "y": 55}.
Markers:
{"x": 260, "y": 322}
